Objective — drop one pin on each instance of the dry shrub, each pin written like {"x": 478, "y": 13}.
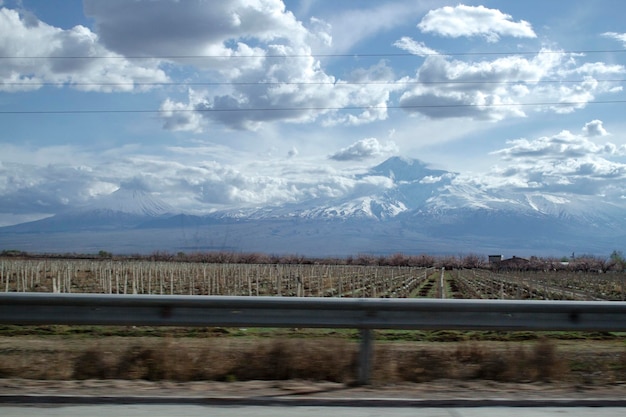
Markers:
{"x": 470, "y": 361}
{"x": 91, "y": 364}
{"x": 391, "y": 364}
{"x": 268, "y": 360}
{"x": 620, "y": 368}
{"x": 471, "y": 353}
{"x": 332, "y": 360}
{"x": 609, "y": 367}
{"x": 545, "y": 363}
{"x": 230, "y": 359}
{"x": 42, "y": 365}
{"x": 424, "y": 365}
{"x": 503, "y": 366}
{"x": 10, "y": 367}
{"x": 52, "y": 366}
{"x": 142, "y": 363}
{"x": 384, "y": 364}
{"x": 214, "y": 364}
{"x": 599, "y": 367}
{"x": 293, "y": 359}
{"x": 541, "y": 364}
{"x": 168, "y": 361}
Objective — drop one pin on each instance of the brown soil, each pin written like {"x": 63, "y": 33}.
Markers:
{"x": 443, "y": 390}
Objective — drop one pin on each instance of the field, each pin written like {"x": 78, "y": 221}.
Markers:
{"x": 302, "y": 280}
{"x": 66, "y": 352}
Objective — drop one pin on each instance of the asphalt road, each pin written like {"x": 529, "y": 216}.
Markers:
{"x": 143, "y": 410}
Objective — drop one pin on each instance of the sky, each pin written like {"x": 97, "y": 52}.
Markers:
{"x": 247, "y": 103}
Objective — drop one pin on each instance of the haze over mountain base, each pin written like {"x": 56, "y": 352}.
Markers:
{"x": 310, "y": 238}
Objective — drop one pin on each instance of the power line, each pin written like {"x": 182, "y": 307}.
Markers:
{"x": 321, "y": 55}
{"x": 315, "y": 108}
{"x": 244, "y": 83}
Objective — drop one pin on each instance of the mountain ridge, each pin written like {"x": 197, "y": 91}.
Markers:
{"x": 424, "y": 210}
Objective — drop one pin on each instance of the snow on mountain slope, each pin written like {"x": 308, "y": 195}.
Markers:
{"x": 419, "y": 189}
{"x": 130, "y": 201}
{"x": 122, "y": 209}
{"x": 414, "y": 184}
{"x": 416, "y": 209}
{"x": 364, "y": 207}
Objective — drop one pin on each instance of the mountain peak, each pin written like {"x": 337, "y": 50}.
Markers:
{"x": 131, "y": 201}
{"x": 404, "y": 169}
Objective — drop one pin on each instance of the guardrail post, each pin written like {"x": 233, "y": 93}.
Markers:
{"x": 442, "y": 293}
{"x": 365, "y": 357}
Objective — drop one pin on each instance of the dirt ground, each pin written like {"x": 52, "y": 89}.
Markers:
{"x": 294, "y": 389}
{"x": 596, "y": 370}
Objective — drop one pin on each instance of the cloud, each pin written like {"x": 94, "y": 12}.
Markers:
{"x": 208, "y": 185}
{"x": 621, "y": 37}
{"x": 23, "y": 36}
{"x": 506, "y": 87}
{"x": 182, "y": 116}
{"x": 258, "y": 56}
{"x": 321, "y": 30}
{"x": 355, "y": 25}
{"x": 472, "y": 21}
{"x": 481, "y": 90}
{"x": 185, "y": 177}
{"x": 297, "y": 91}
{"x": 364, "y": 149}
{"x": 200, "y": 186}
{"x": 414, "y": 47}
{"x": 594, "y": 128}
{"x": 226, "y": 39}
{"x": 564, "y": 145}
{"x": 261, "y": 66}
{"x": 564, "y": 162}
{"x": 430, "y": 179}
{"x": 27, "y": 188}
{"x": 202, "y": 27}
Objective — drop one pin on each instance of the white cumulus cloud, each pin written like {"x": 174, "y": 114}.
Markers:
{"x": 471, "y": 21}
{"x": 594, "y": 128}
{"x": 364, "y": 149}
{"x": 620, "y": 37}
{"x": 37, "y": 52}
{"x": 414, "y": 47}
{"x": 505, "y": 87}
{"x": 564, "y": 162}
{"x": 257, "y": 55}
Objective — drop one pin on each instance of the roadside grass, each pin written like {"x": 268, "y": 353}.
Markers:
{"x": 178, "y": 354}
{"x": 298, "y": 333}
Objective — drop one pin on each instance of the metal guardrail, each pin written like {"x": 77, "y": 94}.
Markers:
{"x": 364, "y": 314}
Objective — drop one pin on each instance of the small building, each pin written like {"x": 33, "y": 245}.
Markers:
{"x": 514, "y": 263}
{"x": 495, "y": 259}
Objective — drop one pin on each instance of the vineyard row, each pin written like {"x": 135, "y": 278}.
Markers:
{"x": 301, "y": 280}
{"x": 114, "y": 277}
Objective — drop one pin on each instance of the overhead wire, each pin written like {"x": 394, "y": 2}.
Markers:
{"x": 318, "y": 55}
{"x": 338, "y": 83}
{"x": 313, "y": 108}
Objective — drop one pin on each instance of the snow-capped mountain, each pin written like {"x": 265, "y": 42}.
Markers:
{"x": 124, "y": 208}
{"x": 418, "y": 210}
{"x": 372, "y": 207}
{"x": 130, "y": 201}
{"x": 419, "y": 190}
{"x": 414, "y": 184}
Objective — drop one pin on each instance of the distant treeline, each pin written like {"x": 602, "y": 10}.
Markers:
{"x": 587, "y": 263}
